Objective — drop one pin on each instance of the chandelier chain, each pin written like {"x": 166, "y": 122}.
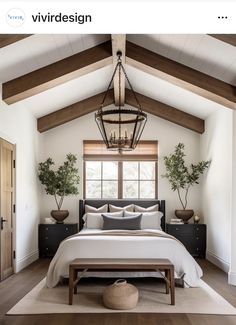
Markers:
{"x": 109, "y": 86}
{"x": 120, "y": 66}
{"x": 119, "y": 80}
{"x": 131, "y": 87}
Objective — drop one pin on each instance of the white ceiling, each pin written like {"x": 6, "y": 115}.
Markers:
{"x": 37, "y": 51}
{"x": 200, "y": 52}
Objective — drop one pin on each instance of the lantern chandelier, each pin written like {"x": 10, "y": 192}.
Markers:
{"x": 121, "y": 128}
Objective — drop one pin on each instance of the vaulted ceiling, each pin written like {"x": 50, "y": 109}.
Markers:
{"x": 181, "y": 78}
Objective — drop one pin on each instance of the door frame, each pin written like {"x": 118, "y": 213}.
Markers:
{"x": 14, "y": 212}
{"x": 14, "y": 203}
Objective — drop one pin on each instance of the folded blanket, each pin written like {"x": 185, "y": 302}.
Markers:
{"x": 117, "y": 232}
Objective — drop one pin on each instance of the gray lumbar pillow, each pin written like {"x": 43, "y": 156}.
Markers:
{"x": 128, "y": 223}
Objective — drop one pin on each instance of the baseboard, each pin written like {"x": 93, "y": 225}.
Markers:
{"x": 232, "y": 278}
{"x": 222, "y": 264}
{"x": 26, "y": 260}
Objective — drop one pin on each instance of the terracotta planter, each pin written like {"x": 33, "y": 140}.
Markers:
{"x": 59, "y": 215}
{"x": 120, "y": 295}
{"x": 185, "y": 215}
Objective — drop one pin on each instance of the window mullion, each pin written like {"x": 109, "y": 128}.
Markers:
{"x": 139, "y": 180}
{"x": 101, "y": 179}
{"x": 120, "y": 180}
{"x": 156, "y": 182}
{"x": 84, "y": 180}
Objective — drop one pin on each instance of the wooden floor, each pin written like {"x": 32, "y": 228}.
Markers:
{"x": 15, "y": 287}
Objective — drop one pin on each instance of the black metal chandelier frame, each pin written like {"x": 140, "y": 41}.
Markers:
{"x": 106, "y": 117}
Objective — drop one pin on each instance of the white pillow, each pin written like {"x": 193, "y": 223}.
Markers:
{"x": 153, "y": 208}
{"x": 102, "y": 209}
{"x": 150, "y": 220}
{"x": 95, "y": 220}
{"x": 114, "y": 208}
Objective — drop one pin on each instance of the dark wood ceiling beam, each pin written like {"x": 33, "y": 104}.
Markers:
{"x": 8, "y": 39}
{"x": 226, "y": 38}
{"x": 166, "y": 112}
{"x": 57, "y": 73}
{"x": 181, "y": 75}
{"x": 74, "y": 111}
{"x": 149, "y": 105}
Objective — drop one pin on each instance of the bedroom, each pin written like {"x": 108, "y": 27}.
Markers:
{"x": 211, "y": 200}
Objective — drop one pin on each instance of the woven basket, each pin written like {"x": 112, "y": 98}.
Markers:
{"x": 120, "y": 295}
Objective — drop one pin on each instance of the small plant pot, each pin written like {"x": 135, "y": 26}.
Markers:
{"x": 59, "y": 215}
{"x": 185, "y": 215}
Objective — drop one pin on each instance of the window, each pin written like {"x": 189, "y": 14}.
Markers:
{"x": 139, "y": 179}
{"x": 101, "y": 179}
{"x": 109, "y": 174}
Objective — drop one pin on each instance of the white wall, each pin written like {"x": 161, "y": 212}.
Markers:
{"x": 18, "y": 126}
{"x": 232, "y": 270}
{"x": 216, "y": 145}
{"x": 69, "y": 138}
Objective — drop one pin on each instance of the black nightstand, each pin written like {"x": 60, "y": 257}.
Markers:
{"x": 193, "y": 236}
{"x": 50, "y": 236}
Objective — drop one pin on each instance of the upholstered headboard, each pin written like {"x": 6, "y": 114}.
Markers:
{"x": 99, "y": 202}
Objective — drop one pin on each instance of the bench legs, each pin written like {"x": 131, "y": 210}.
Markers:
{"x": 170, "y": 284}
{"x": 167, "y": 276}
{"x": 73, "y": 281}
{"x": 71, "y": 271}
{"x": 72, "y": 284}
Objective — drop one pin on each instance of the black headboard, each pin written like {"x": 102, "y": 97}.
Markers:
{"x": 143, "y": 203}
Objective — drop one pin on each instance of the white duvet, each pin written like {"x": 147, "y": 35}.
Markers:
{"x": 95, "y": 243}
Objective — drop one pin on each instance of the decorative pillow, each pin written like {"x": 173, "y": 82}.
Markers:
{"x": 114, "y": 208}
{"x": 153, "y": 208}
{"x": 95, "y": 220}
{"x": 150, "y": 220}
{"x": 128, "y": 223}
{"x": 102, "y": 209}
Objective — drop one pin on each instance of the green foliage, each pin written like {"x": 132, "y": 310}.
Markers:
{"x": 179, "y": 175}
{"x": 61, "y": 182}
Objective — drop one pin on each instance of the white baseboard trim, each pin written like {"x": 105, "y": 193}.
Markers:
{"x": 218, "y": 261}
{"x": 232, "y": 278}
{"x": 26, "y": 260}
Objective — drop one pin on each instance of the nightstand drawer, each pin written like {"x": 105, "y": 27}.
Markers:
{"x": 47, "y": 249}
{"x": 57, "y": 228}
{"x": 180, "y": 229}
{"x": 192, "y": 236}
{"x": 51, "y": 235}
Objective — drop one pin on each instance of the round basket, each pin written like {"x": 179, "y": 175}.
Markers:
{"x": 120, "y": 295}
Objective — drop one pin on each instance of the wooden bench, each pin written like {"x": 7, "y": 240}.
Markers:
{"x": 85, "y": 264}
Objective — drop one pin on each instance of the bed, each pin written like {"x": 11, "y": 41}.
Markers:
{"x": 146, "y": 243}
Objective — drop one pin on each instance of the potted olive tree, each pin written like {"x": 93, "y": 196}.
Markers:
{"x": 181, "y": 178}
{"x": 59, "y": 183}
